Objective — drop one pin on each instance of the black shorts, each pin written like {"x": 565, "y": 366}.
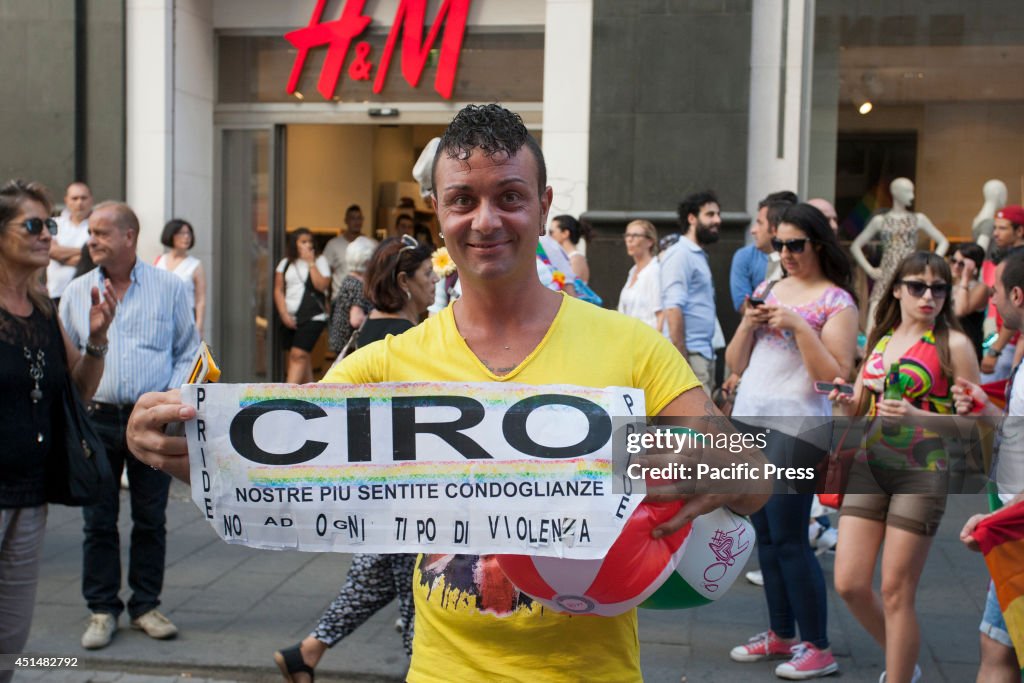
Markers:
{"x": 305, "y": 337}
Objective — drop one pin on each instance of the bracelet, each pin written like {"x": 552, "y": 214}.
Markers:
{"x": 95, "y": 350}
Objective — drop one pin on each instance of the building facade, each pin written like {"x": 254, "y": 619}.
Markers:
{"x": 249, "y": 118}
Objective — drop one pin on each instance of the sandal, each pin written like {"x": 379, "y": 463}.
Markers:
{"x": 290, "y": 662}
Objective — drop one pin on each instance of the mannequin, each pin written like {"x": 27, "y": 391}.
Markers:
{"x": 899, "y": 229}
{"x": 994, "y": 193}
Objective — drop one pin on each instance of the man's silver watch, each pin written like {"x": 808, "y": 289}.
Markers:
{"x": 993, "y": 352}
{"x": 96, "y": 350}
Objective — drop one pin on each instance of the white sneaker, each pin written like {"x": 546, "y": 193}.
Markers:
{"x": 827, "y": 541}
{"x": 915, "y": 679}
{"x": 814, "y": 530}
{"x": 399, "y": 624}
{"x": 755, "y": 577}
{"x": 155, "y": 625}
{"x": 100, "y": 631}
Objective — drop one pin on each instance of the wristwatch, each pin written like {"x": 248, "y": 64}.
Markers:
{"x": 993, "y": 352}
{"x": 95, "y": 350}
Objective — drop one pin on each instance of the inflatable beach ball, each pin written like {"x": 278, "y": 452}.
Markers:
{"x": 713, "y": 555}
{"x": 634, "y": 567}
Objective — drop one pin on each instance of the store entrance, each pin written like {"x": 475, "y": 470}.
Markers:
{"x": 328, "y": 168}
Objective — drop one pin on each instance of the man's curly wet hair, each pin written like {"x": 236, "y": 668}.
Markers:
{"x": 493, "y": 130}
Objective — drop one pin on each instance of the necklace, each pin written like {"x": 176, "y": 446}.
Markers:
{"x": 35, "y": 371}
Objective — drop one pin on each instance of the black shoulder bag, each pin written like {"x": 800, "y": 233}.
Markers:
{"x": 79, "y": 473}
{"x": 314, "y": 302}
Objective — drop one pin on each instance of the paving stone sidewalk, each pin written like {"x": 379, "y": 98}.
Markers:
{"x": 235, "y": 606}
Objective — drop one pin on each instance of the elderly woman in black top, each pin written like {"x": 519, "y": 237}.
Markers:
{"x": 35, "y": 356}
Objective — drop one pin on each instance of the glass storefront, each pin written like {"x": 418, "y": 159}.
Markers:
{"x": 931, "y": 90}
{"x": 279, "y": 171}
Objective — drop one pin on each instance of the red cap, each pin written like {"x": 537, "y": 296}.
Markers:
{"x": 1013, "y": 213}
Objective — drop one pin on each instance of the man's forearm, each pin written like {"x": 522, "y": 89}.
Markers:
{"x": 676, "y": 328}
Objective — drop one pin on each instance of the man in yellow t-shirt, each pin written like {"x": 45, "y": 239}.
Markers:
{"x": 492, "y": 200}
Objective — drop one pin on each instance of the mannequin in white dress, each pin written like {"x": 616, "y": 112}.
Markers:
{"x": 994, "y": 193}
{"x": 898, "y": 230}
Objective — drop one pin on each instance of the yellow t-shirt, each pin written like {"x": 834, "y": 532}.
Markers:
{"x": 471, "y": 622}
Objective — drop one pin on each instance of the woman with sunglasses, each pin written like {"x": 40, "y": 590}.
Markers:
{"x": 35, "y": 358}
{"x": 300, "y": 283}
{"x": 970, "y": 295}
{"x": 641, "y": 296}
{"x": 896, "y": 493}
{"x": 794, "y": 332}
{"x": 400, "y": 284}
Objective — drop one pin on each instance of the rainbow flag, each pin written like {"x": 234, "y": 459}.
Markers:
{"x": 1001, "y": 537}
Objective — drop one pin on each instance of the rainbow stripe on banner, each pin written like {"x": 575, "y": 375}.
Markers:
{"x": 1001, "y": 537}
{"x": 426, "y": 472}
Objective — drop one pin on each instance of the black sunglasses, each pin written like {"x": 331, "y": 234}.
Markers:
{"x": 794, "y": 246}
{"x": 34, "y": 226}
{"x": 917, "y": 289}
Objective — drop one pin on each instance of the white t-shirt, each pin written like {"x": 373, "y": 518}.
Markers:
{"x": 335, "y": 252}
{"x": 643, "y": 300}
{"x": 1009, "y": 467}
{"x": 69, "y": 234}
{"x": 295, "y": 282}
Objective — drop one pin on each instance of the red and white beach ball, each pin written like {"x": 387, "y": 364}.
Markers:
{"x": 714, "y": 554}
{"x": 635, "y": 566}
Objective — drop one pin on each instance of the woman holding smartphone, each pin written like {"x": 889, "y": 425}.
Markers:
{"x": 803, "y": 331}
{"x": 897, "y": 487}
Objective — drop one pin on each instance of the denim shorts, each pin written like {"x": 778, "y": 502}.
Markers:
{"x": 992, "y": 623}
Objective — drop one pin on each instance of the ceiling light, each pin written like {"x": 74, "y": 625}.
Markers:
{"x": 865, "y": 108}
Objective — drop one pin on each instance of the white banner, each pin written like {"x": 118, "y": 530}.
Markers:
{"x": 413, "y": 467}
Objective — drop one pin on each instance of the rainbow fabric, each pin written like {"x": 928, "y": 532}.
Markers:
{"x": 1001, "y": 537}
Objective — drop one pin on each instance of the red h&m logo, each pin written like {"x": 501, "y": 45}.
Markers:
{"x": 409, "y": 21}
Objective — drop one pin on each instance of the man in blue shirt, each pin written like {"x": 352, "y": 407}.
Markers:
{"x": 687, "y": 290}
{"x": 751, "y": 264}
{"x": 151, "y": 348}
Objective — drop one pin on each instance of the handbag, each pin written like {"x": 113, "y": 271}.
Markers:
{"x": 833, "y": 481}
{"x": 79, "y": 473}
{"x": 313, "y": 304}
{"x": 353, "y": 338}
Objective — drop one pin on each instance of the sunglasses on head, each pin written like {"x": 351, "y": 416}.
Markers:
{"x": 408, "y": 244}
{"x": 794, "y": 246}
{"x": 34, "y": 226}
{"x": 917, "y": 289}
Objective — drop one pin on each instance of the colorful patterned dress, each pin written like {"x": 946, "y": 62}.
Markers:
{"x": 927, "y": 388}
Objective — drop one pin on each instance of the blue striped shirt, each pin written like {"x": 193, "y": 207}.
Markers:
{"x": 153, "y": 338}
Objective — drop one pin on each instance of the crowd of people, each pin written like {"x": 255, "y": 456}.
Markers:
{"x": 509, "y": 301}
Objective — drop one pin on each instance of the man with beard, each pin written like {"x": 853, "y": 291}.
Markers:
{"x": 687, "y": 290}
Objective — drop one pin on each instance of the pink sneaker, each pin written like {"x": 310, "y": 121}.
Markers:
{"x": 808, "y": 662}
{"x": 765, "y": 645}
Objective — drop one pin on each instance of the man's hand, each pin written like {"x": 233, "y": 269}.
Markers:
{"x": 101, "y": 313}
{"x": 966, "y": 534}
{"x": 146, "y": 437}
{"x": 969, "y": 398}
{"x": 988, "y": 364}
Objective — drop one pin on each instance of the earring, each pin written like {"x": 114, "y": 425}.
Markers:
{"x": 441, "y": 235}
{"x": 542, "y": 230}
{"x": 408, "y": 294}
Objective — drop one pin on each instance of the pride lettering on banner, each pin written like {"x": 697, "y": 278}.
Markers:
{"x": 411, "y": 467}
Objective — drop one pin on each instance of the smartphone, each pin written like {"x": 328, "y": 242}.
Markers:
{"x": 827, "y": 387}
{"x": 755, "y": 301}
